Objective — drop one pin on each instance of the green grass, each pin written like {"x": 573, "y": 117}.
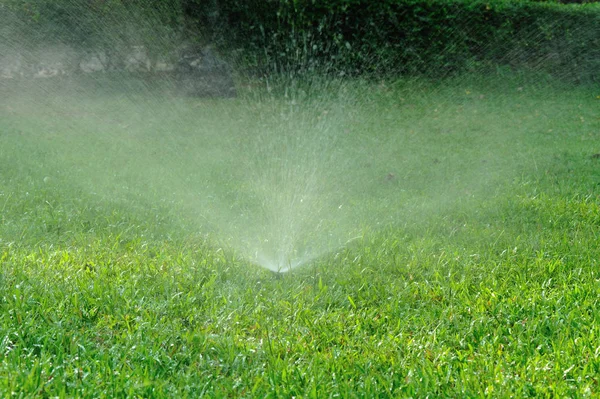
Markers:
{"x": 476, "y": 274}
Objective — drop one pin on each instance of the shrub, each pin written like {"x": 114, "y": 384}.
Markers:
{"x": 433, "y": 37}
{"x": 88, "y": 25}
{"x": 405, "y": 36}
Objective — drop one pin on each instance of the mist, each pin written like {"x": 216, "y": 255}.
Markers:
{"x": 293, "y": 166}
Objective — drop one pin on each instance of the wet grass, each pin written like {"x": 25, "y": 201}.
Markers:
{"x": 476, "y": 275}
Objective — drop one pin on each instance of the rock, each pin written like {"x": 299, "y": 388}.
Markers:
{"x": 164, "y": 66}
{"x": 52, "y": 61}
{"x": 94, "y": 62}
{"x": 202, "y": 73}
{"x": 137, "y": 60}
{"x": 198, "y": 72}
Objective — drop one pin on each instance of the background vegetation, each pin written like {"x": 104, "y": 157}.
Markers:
{"x": 436, "y": 37}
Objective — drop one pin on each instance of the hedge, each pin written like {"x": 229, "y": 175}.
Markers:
{"x": 436, "y": 37}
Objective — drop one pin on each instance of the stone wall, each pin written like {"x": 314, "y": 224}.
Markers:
{"x": 61, "y": 60}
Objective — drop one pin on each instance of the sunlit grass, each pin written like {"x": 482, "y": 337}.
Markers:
{"x": 476, "y": 272}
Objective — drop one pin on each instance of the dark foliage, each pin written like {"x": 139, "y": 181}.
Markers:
{"x": 435, "y": 37}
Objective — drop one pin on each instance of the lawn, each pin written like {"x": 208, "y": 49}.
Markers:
{"x": 443, "y": 239}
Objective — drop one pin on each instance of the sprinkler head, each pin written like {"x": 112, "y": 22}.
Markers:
{"x": 277, "y": 275}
